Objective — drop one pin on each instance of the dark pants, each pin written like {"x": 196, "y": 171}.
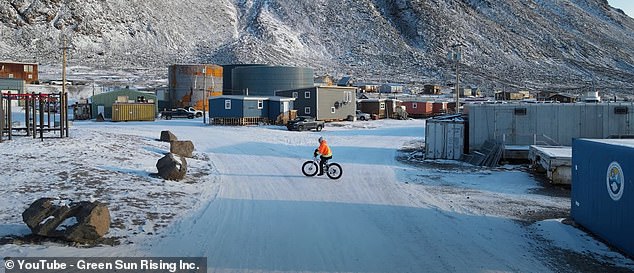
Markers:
{"x": 322, "y": 163}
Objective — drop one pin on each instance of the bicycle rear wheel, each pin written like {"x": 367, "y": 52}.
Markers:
{"x": 334, "y": 171}
{"x": 310, "y": 168}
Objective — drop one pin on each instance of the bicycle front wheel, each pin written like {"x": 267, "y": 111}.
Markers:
{"x": 310, "y": 168}
{"x": 334, "y": 171}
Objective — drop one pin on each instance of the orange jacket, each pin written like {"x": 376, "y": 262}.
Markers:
{"x": 323, "y": 149}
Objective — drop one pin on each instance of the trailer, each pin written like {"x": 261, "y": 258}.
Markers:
{"x": 555, "y": 161}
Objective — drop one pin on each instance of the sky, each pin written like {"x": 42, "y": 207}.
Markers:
{"x": 626, "y": 5}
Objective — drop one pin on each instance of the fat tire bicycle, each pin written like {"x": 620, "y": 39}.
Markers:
{"x": 311, "y": 167}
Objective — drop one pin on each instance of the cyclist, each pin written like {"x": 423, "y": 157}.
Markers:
{"x": 325, "y": 154}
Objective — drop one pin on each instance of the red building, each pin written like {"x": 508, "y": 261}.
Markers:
{"x": 23, "y": 71}
{"x": 418, "y": 109}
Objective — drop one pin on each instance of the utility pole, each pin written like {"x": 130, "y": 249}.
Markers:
{"x": 204, "y": 94}
{"x": 456, "y": 55}
{"x": 64, "y": 97}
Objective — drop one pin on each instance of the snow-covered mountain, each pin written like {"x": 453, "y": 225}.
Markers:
{"x": 534, "y": 44}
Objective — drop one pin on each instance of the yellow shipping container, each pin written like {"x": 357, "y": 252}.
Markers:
{"x": 133, "y": 112}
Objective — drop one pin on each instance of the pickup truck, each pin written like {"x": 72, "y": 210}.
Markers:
{"x": 177, "y": 113}
{"x": 302, "y": 123}
{"x": 197, "y": 113}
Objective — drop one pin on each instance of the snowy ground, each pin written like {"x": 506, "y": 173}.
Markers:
{"x": 246, "y": 206}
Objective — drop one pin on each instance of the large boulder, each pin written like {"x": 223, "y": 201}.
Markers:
{"x": 182, "y": 147}
{"x": 167, "y": 136}
{"x": 172, "y": 168}
{"x": 82, "y": 222}
{"x": 92, "y": 222}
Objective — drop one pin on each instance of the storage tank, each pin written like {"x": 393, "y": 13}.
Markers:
{"x": 187, "y": 82}
{"x": 265, "y": 80}
{"x": 227, "y": 79}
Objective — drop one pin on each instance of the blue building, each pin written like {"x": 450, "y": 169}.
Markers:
{"x": 249, "y": 110}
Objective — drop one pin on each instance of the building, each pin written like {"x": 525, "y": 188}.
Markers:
{"x": 381, "y": 108}
{"x": 563, "y": 98}
{"x": 191, "y": 84}
{"x": 22, "y": 71}
{"x": 325, "y": 80}
{"x": 391, "y": 88}
{"x": 248, "y": 110}
{"x": 418, "y": 109}
{"x": 547, "y": 123}
{"x": 102, "y": 103}
{"x": 324, "y": 102}
{"x": 346, "y": 81}
{"x": 368, "y": 87}
{"x": 508, "y": 95}
{"x": 430, "y": 89}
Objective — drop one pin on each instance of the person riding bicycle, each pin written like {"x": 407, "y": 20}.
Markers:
{"x": 325, "y": 154}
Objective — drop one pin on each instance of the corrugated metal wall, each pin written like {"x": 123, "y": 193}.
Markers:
{"x": 107, "y": 100}
{"x": 552, "y": 124}
{"x": 187, "y": 82}
{"x": 133, "y": 112}
{"x": 265, "y": 80}
{"x": 602, "y": 197}
{"x": 444, "y": 139}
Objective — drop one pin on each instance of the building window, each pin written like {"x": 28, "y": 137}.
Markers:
{"x": 621, "y": 110}
{"x": 227, "y": 104}
{"x": 382, "y": 106}
{"x": 260, "y": 104}
{"x": 348, "y": 94}
{"x": 10, "y": 76}
{"x": 307, "y": 110}
{"x": 307, "y": 95}
{"x": 295, "y": 95}
{"x": 520, "y": 111}
{"x": 30, "y": 76}
{"x": 332, "y": 110}
{"x": 28, "y": 68}
{"x": 414, "y": 105}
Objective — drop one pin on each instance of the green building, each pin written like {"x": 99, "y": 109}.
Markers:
{"x": 103, "y": 102}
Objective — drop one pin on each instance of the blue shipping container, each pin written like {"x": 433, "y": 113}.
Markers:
{"x": 602, "y": 191}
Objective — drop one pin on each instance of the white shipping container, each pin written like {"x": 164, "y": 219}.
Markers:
{"x": 444, "y": 139}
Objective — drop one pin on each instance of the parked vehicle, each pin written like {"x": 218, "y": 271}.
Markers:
{"x": 362, "y": 116}
{"x": 177, "y": 113}
{"x": 197, "y": 113}
{"x": 302, "y": 123}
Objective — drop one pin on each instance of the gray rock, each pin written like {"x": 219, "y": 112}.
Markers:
{"x": 171, "y": 168}
{"x": 182, "y": 147}
{"x": 167, "y": 136}
{"x": 81, "y": 222}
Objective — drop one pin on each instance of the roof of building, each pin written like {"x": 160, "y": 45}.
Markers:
{"x": 345, "y": 81}
{"x": 241, "y": 97}
{"x": 13, "y": 62}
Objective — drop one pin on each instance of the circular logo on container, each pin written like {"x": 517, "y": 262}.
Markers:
{"x": 615, "y": 181}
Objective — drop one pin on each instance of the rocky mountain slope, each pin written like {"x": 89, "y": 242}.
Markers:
{"x": 533, "y": 44}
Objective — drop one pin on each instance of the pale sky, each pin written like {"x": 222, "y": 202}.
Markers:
{"x": 626, "y": 5}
